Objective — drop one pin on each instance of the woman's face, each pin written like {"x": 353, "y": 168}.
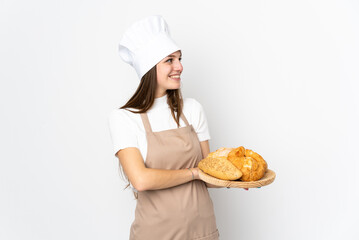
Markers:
{"x": 169, "y": 70}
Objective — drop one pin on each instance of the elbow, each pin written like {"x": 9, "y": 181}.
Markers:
{"x": 140, "y": 187}
{"x": 140, "y": 184}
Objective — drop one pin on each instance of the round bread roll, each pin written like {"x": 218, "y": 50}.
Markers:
{"x": 251, "y": 164}
{"x": 221, "y": 152}
{"x": 256, "y": 156}
{"x": 220, "y": 168}
{"x": 237, "y": 152}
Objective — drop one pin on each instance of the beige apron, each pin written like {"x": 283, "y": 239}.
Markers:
{"x": 183, "y": 212}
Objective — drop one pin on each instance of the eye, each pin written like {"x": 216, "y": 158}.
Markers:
{"x": 171, "y": 60}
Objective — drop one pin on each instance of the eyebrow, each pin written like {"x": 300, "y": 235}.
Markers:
{"x": 173, "y": 55}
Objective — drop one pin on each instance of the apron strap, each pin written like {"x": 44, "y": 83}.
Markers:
{"x": 184, "y": 119}
{"x": 146, "y": 122}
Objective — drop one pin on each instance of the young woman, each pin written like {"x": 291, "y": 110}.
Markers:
{"x": 159, "y": 138}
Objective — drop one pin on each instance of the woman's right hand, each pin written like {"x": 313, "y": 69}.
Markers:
{"x": 195, "y": 173}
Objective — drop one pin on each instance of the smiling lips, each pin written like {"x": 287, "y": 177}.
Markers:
{"x": 175, "y": 76}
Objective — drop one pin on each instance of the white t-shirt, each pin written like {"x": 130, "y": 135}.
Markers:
{"x": 127, "y": 129}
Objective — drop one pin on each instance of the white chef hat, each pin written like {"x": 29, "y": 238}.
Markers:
{"x": 145, "y": 43}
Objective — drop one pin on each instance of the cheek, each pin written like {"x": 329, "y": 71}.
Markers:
{"x": 163, "y": 73}
{"x": 161, "y": 78}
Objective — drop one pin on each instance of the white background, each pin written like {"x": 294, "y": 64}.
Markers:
{"x": 278, "y": 77}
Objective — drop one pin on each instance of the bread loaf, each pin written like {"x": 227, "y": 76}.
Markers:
{"x": 248, "y": 165}
{"x": 220, "y": 168}
{"x": 221, "y": 152}
{"x": 251, "y": 164}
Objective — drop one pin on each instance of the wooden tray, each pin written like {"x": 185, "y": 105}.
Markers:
{"x": 268, "y": 178}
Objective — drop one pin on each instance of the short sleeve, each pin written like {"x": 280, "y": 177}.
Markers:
{"x": 122, "y": 131}
{"x": 200, "y": 121}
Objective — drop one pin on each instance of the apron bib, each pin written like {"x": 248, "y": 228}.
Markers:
{"x": 183, "y": 212}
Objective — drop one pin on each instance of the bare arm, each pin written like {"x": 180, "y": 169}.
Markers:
{"x": 143, "y": 178}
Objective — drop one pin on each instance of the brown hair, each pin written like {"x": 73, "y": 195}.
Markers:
{"x": 144, "y": 97}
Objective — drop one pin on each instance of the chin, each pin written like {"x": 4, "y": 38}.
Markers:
{"x": 173, "y": 87}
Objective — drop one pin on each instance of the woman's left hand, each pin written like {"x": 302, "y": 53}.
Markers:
{"x": 195, "y": 172}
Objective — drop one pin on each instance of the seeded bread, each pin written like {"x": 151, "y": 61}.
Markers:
{"x": 220, "y": 168}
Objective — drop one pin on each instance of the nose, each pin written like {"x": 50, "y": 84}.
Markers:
{"x": 178, "y": 66}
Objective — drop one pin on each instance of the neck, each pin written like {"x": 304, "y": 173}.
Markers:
{"x": 160, "y": 94}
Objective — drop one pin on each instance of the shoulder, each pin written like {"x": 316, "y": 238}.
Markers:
{"x": 191, "y": 103}
{"x": 192, "y": 106}
{"x": 193, "y": 110}
{"x": 121, "y": 116}
{"x": 118, "y": 114}
{"x": 123, "y": 130}
{"x": 196, "y": 116}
